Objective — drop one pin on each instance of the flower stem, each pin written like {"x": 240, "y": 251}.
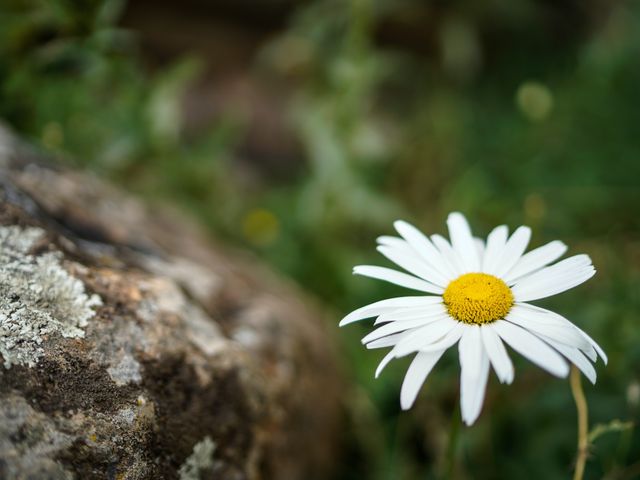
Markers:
{"x": 583, "y": 422}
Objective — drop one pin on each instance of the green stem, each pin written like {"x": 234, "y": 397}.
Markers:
{"x": 583, "y": 423}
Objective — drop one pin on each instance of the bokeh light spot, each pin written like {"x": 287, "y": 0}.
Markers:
{"x": 534, "y": 100}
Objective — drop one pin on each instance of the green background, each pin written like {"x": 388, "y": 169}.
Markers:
{"x": 520, "y": 112}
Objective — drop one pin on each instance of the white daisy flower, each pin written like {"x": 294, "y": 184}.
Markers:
{"x": 477, "y": 297}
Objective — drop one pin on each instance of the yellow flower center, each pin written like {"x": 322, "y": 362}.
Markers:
{"x": 478, "y": 298}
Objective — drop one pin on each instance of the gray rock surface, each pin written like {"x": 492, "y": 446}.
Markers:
{"x": 134, "y": 348}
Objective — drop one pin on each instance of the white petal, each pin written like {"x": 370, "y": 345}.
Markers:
{"x": 555, "y": 279}
{"x": 449, "y": 255}
{"x": 431, "y": 273}
{"x": 394, "y": 242}
{"x": 529, "y": 291}
{"x": 536, "y": 259}
{"x": 401, "y": 246}
{"x": 405, "y": 248}
{"x": 591, "y": 354}
{"x": 532, "y": 348}
{"x": 596, "y": 346}
{"x": 576, "y": 357}
{"x": 417, "y": 373}
{"x": 564, "y": 267}
{"x": 411, "y": 313}
{"x": 474, "y": 365}
{"x": 423, "y": 336}
{"x": 421, "y": 244}
{"x": 412, "y": 262}
{"x": 559, "y": 317}
{"x": 449, "y": 339}
{"x": 479, "y": 242}
{"x": 462, "y": 241}
{"x": 513, "y": 250}
{"x": 388, "y": 305}
{"x": 392, "y": 353}
{"x": 497, "y": 354}
{"x": 397, "y": 278}
{"x": 496, "y": 241}
{"x": 384, "y": 362}
{"x": 548, "y": 325}
{"x": 395, "y": 327}
{"x": 390, "y": 341}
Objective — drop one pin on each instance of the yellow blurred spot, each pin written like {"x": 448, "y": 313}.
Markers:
{"x": 93, "y": 437}
{"x": 52, "y": 135}
{"x": 261, "y": 227}
{"x": 535, "y": 207}
{"x": 534, "y": 100}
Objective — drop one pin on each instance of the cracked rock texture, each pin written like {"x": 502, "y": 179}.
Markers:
{"x": 134, "y": 348}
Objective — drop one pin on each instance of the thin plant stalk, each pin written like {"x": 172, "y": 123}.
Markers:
{"x": 583, "y": 423}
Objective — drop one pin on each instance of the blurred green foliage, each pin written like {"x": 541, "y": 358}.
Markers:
{"x": 522, "y": 113}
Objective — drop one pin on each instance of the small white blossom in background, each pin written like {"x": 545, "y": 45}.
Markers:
{"x": 477, "y": 294}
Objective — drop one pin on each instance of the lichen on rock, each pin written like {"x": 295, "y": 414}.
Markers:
{"x": 199, "y": 363}
{"x": 38, "y": 298}
{"x": 199, "y": 461}
{"x": 28, "y": 440}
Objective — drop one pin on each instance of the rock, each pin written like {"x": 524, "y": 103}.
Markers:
{"x": 134, "y": 348}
